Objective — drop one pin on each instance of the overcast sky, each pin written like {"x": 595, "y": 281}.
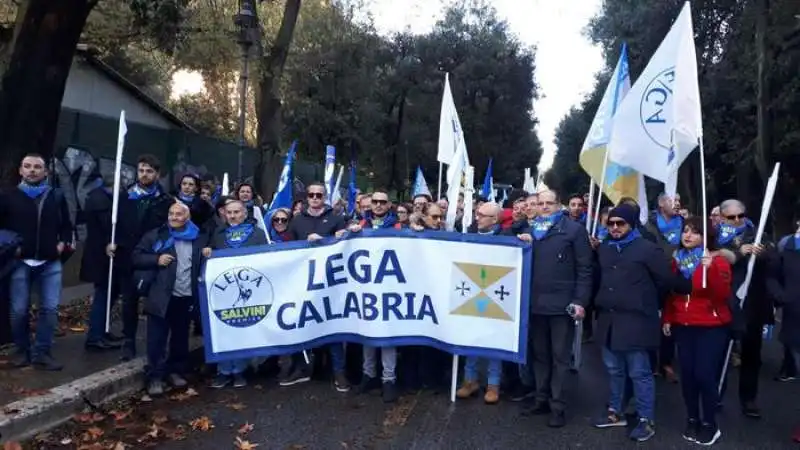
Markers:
{"x": 565, "y": 60}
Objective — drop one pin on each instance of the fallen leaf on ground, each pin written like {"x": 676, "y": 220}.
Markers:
{"x": 178, "y": 434}
{"x": 119, "y": 446}
{"x": 120, "y": 415}
{"x": 146, "y": 399}
{"x": 185, "y": 395}
{"x": 12, "y": 446}
{"x": 43, "y": 437}
{"x": 92, "y": 434}
{"x": 153, "y": 433}
{"x": 202, "y": 424}
{"x": 246, "y": 428}
{"x": 236, "y": 406}
{"x": 78, "y": 329}
{"x": 88, "y": 418}
{"x": 66, "y": 441}
{"x": 160, "y": 417}
{"x": 244, "y": 445}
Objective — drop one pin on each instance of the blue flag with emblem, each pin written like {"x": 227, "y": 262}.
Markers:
{"x": 283, "y": 194}
{"x": 330, "y": 169}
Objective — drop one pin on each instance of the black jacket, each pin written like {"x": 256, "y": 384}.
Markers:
{"x": 146, "y": 258}
{"x": 97, "y": 215}
{"x": 758, "y": 305}
{"x": 627, "y": 301}
{"x": 217, "y": 240}
{"x": 783, "y": 283}
{"x": 200, "y": 209}
{"x": 40, "y": 235}
{"x": 149, "y": 213}
{"x": 562, "y": 269}
{"x": 325, "y": 225}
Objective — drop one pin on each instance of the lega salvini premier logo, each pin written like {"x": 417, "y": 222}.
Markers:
{"x": 241, "y": 297}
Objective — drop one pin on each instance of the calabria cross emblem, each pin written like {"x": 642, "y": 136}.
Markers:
{"x": 481, "y": 290}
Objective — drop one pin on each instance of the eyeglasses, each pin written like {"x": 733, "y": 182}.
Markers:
{"x": 436, "y": 217}
{"x": 316, "y": 195}
{"x": 402, "y": 211}
{"x": 735, "y": 216}
{"x": 616, "y": 223}
{"x": 280, "y": 220}
{"x": 379, "y": 202}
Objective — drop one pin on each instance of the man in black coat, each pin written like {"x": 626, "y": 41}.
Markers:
{"x": 562, "y": 280}
{"x": 633, "y": 274}
{"x": 38, "y": 214}
{"x": 147, "y": 205}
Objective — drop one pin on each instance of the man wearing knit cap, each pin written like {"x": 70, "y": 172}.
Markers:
{"x": 631, "y": 271}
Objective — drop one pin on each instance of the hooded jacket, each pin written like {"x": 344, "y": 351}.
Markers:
{"x": 325, "y": 224}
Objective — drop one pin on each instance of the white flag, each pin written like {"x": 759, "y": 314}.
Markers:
{"x": 451, "y": 136}
{"x": 456, "y": 168}
{"x": 659, "y": 122}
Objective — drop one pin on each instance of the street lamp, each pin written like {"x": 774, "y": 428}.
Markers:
{"x": 245, "y": 22}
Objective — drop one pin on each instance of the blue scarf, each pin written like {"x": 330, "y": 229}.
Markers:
{"x": 237, "y": 235}
{"x": 188, "y": 199}
{"x": 137, "y": 191}
{"x": 688, "y": 260}
{"x": 727, "y": 233}
{"x": 581, "y": 218}
{"x": 34, "y": 190}
{"x": 216, "y": 195}
{"x": 671, "y": 230}
{"x": 386, "y": 221}
{"x": 188, "y": 233}
{"x": 541, "y": 225}
{"x": 494, "y": 231}
{"x": 797, "y": 242}
{"x": 248, "y": 204}
{"x": 602, "y": 233}
{"x": 274, "y": 235}
{"x": 619, "y": 244}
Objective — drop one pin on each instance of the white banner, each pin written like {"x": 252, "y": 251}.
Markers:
{"x": 465, "y": 294}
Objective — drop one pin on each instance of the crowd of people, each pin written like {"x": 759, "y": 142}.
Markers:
{"x": 654, "y": 296}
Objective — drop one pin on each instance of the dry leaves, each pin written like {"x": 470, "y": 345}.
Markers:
{"x": 88, "y": 418}
{"x": 160, "y": 418}
{"x": 120, "y": 415}
{"x": 246, "y": 428}
{"x": 244, "y": 445}
{"x": 201, "y": 423}
{"x": 185, "y": 395}
{"x": 236, "y": 406}
{"x": 78, "y": 329}
{"x": 12, "y": 446}
{"x": 154, "y": 430}
{"x": 178, "y": 434}
{"x": 92, "y": 434}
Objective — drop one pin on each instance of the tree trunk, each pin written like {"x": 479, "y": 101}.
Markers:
{"x": 268, "y": 103}
{"x": 42, "y": 49}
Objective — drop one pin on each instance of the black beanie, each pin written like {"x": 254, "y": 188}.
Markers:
{"x": 625, "y": 212}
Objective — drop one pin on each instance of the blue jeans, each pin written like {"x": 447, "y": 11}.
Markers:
{"x": 701, "y": 351}
{"x": 122, "y": 285}
{"x": 48, "y": 277}
{"x": 168, "y": 339}
{"x": 636, "y": 365}
{"x": 494, "y": 369}
{"x": 337, "y": 357}
{"x": 232, "y": 367}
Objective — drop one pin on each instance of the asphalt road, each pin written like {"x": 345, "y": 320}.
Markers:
{"x": 314, "y": 416}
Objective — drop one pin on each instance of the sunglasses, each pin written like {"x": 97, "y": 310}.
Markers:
{"x": 379, "y": 202}
{"x": 735, "y": 217}
{"x": 402, "y": 211}
{"x": 280, "y": 220}
{"x": 316, "y": 195}
{"x": 616, "y": 223}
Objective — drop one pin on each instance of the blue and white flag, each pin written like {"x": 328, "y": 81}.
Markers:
{"x": 330, "y": 169}
{"x": 352, "y": 190}
{"x": 420, "y": 185}
{"x": 278, "y": 300}
{"x": 283, "y": 197}
{"x": 487, "y": 191}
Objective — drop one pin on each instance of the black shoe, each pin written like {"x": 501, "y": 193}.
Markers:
{"x": 128, "y": 352}
{"x": 749, "y": 409}
{"x": 297, "y": 376}
{"x": 691, "y": 431}
{"x": 220, "y": 381}
{"x": 557, "y": 419}
{"x": 390, "y": 393}
{"x": 708, "y": 434}
{"x": 367, "y": 384}
{"x": 783, "y": 378}
{"x": 239, "y": 381}
{"x": 46, "y": 362}
{"x": 111, "y": 337}
{"x": 538, "y": 409}
{"x": 101, "y": 346}
{"x": 20, "y": 360}
{"x": 340, "y": 382}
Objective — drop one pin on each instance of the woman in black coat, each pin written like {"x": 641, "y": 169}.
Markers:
{"x": 189, "y": 194}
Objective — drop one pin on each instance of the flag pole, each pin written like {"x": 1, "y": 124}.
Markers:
{"x": 589, "y": 206}
{"x": 705, "y": 203}
{"x": 123, "y": 130}
{"x": 439, "y": 187}
{"x": 600, "y": 194}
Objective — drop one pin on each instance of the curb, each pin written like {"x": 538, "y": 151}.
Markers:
{"x": 28, "y": 417}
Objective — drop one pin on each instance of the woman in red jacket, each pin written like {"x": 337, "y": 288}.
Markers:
{"x": 699, "y": 322}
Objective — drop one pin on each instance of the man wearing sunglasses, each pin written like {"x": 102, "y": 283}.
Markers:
{"x": 316, "y": 222}
{"x": 632, "y": 271}
{"x": 737, "y": 233}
